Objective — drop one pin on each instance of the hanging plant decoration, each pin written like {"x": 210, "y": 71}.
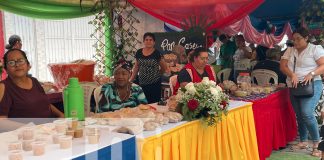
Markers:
{"x": 114, "y": 32}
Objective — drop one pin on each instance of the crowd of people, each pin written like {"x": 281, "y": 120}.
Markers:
{"x": 22, "y": 95}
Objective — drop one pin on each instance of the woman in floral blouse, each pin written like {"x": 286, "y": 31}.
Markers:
{"x": 121, "y": 93}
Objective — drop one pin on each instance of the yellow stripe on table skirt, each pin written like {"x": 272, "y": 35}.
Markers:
{"x": 233, "y": 138}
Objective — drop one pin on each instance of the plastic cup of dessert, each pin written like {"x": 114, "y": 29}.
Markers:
{"x": 60, "y": 126}
{"x": 38, "y": 148}
{"x": 27, "y": 144}
{"x": 65, "y": 142}
{"x": 55, "y": 137}
{"x": 27, "y": 133}
{"x": 78, "y": 133}
{"x": 93, "y": 138}
{"x": 15, "y": 155}
{"x": 90, "y": 130}
{"x": 15, "y": 145}
{"x": 70, "y": 133}
{"x": 73, "y": 123}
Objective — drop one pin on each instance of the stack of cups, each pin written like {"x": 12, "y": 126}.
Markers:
{"x": 74, "y": 130}
{"x": 93, "y": 135}
{"x": 28, "y": 138}
{"x": 15, "y": 150}
{"x": 15, "y": 145}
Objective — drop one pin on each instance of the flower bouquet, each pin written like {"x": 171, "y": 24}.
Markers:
{"x": 205, "y": 101}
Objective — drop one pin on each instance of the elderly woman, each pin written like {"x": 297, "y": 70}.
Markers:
{"x": 195, "y": 70}
{"x": 303, "y": 63}
{"x": 22, "y": 96}
{"x": 121, "y": 93}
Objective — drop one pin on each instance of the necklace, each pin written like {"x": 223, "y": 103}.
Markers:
{"x": 126, "y": 95}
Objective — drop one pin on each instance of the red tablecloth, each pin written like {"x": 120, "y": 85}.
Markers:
{"x": 275, "y": 122}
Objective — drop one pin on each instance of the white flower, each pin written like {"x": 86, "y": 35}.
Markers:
{"x": 212, "y": 83}
{"x": 205, "y": 81}
{"x": 215, "y": 92}
{"x": 219, "y": 88}
{"x": 190, "y": 87}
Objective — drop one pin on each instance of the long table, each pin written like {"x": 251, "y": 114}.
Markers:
{"x": 275, "y": 121}
{"x": 232, "y": 138}
{"x": 112, "y": 145}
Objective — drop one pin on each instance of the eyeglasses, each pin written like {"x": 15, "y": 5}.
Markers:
{"x": 20, "y": 61}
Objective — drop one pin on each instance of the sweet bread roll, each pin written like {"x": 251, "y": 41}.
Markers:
{"x": 150, "y": 126}
{"x": 130, "y": 129}
{"x": 172, "y": 103}
{"x": 144, "y": 106}
{"x": 159, "y": 118}
{"x": 107, "y": 115}
{"x": 228, "y": 84}
{"x": 174, "y": 117}
{"x": 239, "y": 93}
{"x": 125, "y": 122}
{"x": 148, "y": 114}
{"x": 165, "y": 120}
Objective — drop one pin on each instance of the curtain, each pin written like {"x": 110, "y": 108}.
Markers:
{"x": 219, "y": 13}
{"x": 48, "y": 9}
{"x": 251, "y": 35}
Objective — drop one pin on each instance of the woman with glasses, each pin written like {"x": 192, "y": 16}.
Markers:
{"x": 304, "y": 62}
{"x": 22, "y": 96}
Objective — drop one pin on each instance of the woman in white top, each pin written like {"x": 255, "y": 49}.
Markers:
{"x": 309, "y": 64}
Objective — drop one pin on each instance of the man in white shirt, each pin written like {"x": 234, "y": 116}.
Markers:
{"x": 242, "y": 51}
{"x": 241, "y": 56}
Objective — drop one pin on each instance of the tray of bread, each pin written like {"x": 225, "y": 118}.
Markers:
{"x": 148, "y": 116}
{"x": 247, "y": 89}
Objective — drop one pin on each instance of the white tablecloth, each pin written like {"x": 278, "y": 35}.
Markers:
{"x": 79, "y": 147}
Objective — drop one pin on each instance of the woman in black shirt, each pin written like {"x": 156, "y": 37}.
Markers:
{"x": 148, "y": 67}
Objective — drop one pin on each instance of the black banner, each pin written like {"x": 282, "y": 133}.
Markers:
{"x": 165, "y": 41}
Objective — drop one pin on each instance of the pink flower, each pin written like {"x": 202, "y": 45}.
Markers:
{"x": 192, "y": 104}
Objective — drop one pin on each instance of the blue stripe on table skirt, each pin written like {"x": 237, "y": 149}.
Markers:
{"x": 124, "y": 150}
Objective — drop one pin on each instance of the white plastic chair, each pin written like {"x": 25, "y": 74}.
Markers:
{"x": 224, "y": 74}
{"x": 242, "y": 65}
{"x": 263, "y": 76}
{"x": 88, "y": 88}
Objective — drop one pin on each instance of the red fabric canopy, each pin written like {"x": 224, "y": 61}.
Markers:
{"x": 251, "y": 35}
{"x": 220, "y": 12}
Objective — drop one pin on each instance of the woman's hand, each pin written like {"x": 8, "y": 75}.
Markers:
{"x": 307, "y": 79}
{"x": 294, "y": 80}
